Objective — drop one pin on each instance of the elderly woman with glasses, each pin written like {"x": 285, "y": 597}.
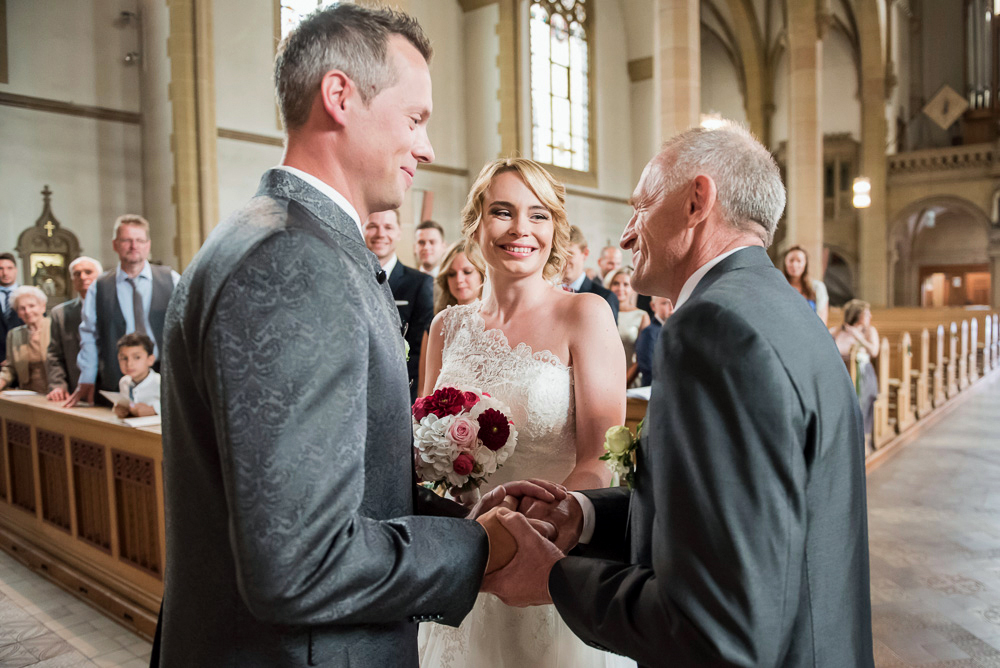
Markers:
{"x": 27, "y": 344}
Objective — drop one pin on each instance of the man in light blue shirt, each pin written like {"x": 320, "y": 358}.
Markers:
{"x": 133, "y": 297}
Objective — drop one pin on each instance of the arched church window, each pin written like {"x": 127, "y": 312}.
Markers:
{"x": 291, "y": 12}
{"x": 560, "y": 61}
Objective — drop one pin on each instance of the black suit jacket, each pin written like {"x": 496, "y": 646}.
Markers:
{"x": 598, "y": 289}
{"x": 747, "y": 541}
{"x": 8, "y": 321}
{"x": 414, "y": 294}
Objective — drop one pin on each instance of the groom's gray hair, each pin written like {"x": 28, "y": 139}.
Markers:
{"x": 750, "y": 192}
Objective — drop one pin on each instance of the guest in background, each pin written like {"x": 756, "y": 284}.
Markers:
{"x": 631, "y": 319}
{"x": 8, "y": 315}
{"x": 132, "y": 297}
{"x": 608, "y": 262}
{"x": 24, "y": 366}
{"x": 139, "y": 382}
{"x": 458, "y": 282}
{"x": 795, "y": 265}
{"x": 64, "y": 342}
{"x": 430, "y": 246}
{"x": 574, "y": 277}
{"x": 412, "y": 290}
{"x": 857, "y": 329}
{"x": 644, "y": 345}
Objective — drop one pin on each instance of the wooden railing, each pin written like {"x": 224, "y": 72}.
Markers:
{"x": 81, "y": 498}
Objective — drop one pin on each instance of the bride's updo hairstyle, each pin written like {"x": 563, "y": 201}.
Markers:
{"x": 549, "y": 192}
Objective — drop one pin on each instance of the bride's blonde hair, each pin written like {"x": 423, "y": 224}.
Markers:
{"x": 549, "y": 192}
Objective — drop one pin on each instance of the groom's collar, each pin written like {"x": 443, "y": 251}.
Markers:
{"x": 694, "y": 279}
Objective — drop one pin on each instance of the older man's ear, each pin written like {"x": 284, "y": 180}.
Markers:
{"x": 704, "y": 195}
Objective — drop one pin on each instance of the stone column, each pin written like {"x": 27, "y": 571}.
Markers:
{"x": 154, "y": 103}
{"x": 677, "y": 65}
{"x": 873, "y": 251}
{"x": 804, "y": 216}
{"x": 192, "y": 97}
{"x": 994, "y": 251}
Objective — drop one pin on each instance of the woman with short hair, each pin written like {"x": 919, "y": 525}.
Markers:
{"x": 27, "y": 345}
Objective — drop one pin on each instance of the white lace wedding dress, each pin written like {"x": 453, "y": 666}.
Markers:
{"x": 538, "y": 388}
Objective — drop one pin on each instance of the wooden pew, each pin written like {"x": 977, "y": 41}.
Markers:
{"x": 972, "y": 363}
{"x": 963, "y": 356}
{"x": 883, "y": 429}
{"x": 81, "y": 499}
{"x": 901, "y": 409}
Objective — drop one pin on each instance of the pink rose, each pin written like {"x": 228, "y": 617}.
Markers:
{"x": 464, "y": 433}
{"x": 463, "y": 464}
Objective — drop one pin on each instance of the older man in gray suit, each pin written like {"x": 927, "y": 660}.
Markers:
{"x": 64, "y": 342}
{"x": 294, "y": 528}
{"x": 744, "y": 540}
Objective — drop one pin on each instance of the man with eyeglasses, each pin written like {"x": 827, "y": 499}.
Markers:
{"x": 132, "y": 297}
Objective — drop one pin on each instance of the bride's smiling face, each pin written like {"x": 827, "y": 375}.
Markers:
{"x": 516, "y": 231}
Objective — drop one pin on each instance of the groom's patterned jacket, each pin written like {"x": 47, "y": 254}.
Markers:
{"x": 291, "y": 538}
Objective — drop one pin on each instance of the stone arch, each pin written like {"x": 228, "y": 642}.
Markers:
{"x": 958, "y": 231}
{"x": 840, "y": 274}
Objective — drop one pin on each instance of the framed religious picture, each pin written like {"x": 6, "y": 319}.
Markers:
{"x": 46, "y": 249}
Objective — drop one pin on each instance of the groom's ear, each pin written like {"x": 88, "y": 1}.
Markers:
{"x": 701, "y": 199}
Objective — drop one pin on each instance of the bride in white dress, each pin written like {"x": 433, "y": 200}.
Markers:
{"x": 557, "y": 361}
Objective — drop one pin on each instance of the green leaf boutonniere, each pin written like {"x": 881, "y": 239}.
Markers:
{"x": 619, "y": 453}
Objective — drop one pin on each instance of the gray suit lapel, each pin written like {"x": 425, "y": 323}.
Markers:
{"x": 331, "y": 219}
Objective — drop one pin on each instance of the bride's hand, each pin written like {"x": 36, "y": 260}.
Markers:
{"x": 542, "y": 490}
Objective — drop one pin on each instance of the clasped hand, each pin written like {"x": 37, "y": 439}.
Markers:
{"x": 544, "y": 522}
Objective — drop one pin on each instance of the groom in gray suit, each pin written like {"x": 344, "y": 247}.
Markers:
{"x": 744, "y": 541}
{"x": 294, "y": 529}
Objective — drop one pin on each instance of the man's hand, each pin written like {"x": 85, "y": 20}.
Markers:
{"x": 540, "y": 490}
{"x": 565, "y": 515}
{"x": 83, "y": 392}
{"x": 525, "y": 580}
{"x": 58, "y": 394}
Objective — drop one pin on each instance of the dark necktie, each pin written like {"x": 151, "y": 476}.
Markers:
{"x": 6, "y": 301}
{"x": 137, "y": 310}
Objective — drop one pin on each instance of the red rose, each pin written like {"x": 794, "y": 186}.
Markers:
{"x": 470, "y": 398}
{"x": 463, "y": 464}
{"x": 494, "y": 429}
{"x": 420, "y": 409}
{"x": 444, "y": 402}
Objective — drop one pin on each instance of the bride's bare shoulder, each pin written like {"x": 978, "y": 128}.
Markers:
{"x": 584, "y": 308}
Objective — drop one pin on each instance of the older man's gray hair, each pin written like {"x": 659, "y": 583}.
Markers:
{"x": 750, "y": 192}
{"x": 345, "y": 37}
{"x": 28, "y": 291}
{"x": 84, "y": 258}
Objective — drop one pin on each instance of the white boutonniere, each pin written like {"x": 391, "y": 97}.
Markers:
{"x": 619, "y": 452}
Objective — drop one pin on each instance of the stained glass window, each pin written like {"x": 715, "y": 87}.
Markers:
{"x": 560, "y": 84}
{"x": 293, "y": 11}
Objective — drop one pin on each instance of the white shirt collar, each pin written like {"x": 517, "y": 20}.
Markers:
{"x": 694, "y": 279}
{"x": 578, "y": 283}
{"x": 390, "y": 265}
{"x": 329, "y": 191}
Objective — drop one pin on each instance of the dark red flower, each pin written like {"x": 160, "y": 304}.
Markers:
{"x": 444, "y": 402}
{"x": 494, "y": 430}
{"x": 470, "y": 398}
{"x": 420, "y": 409}
{"x": 463, "y": 464}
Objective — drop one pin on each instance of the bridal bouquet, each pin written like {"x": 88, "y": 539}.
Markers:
{"x": 461, "y": 437}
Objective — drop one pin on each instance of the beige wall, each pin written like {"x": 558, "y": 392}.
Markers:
{"x": 71, "y": 52}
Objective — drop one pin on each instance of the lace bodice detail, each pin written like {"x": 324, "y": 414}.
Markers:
{"x": 536, "y": 386}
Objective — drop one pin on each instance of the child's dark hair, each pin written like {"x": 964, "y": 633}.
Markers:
{"x": 136, "y": 339}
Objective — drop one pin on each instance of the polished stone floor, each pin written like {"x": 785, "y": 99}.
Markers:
{"x": 934, "y": 531}
{"x": 44, "y": 626}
